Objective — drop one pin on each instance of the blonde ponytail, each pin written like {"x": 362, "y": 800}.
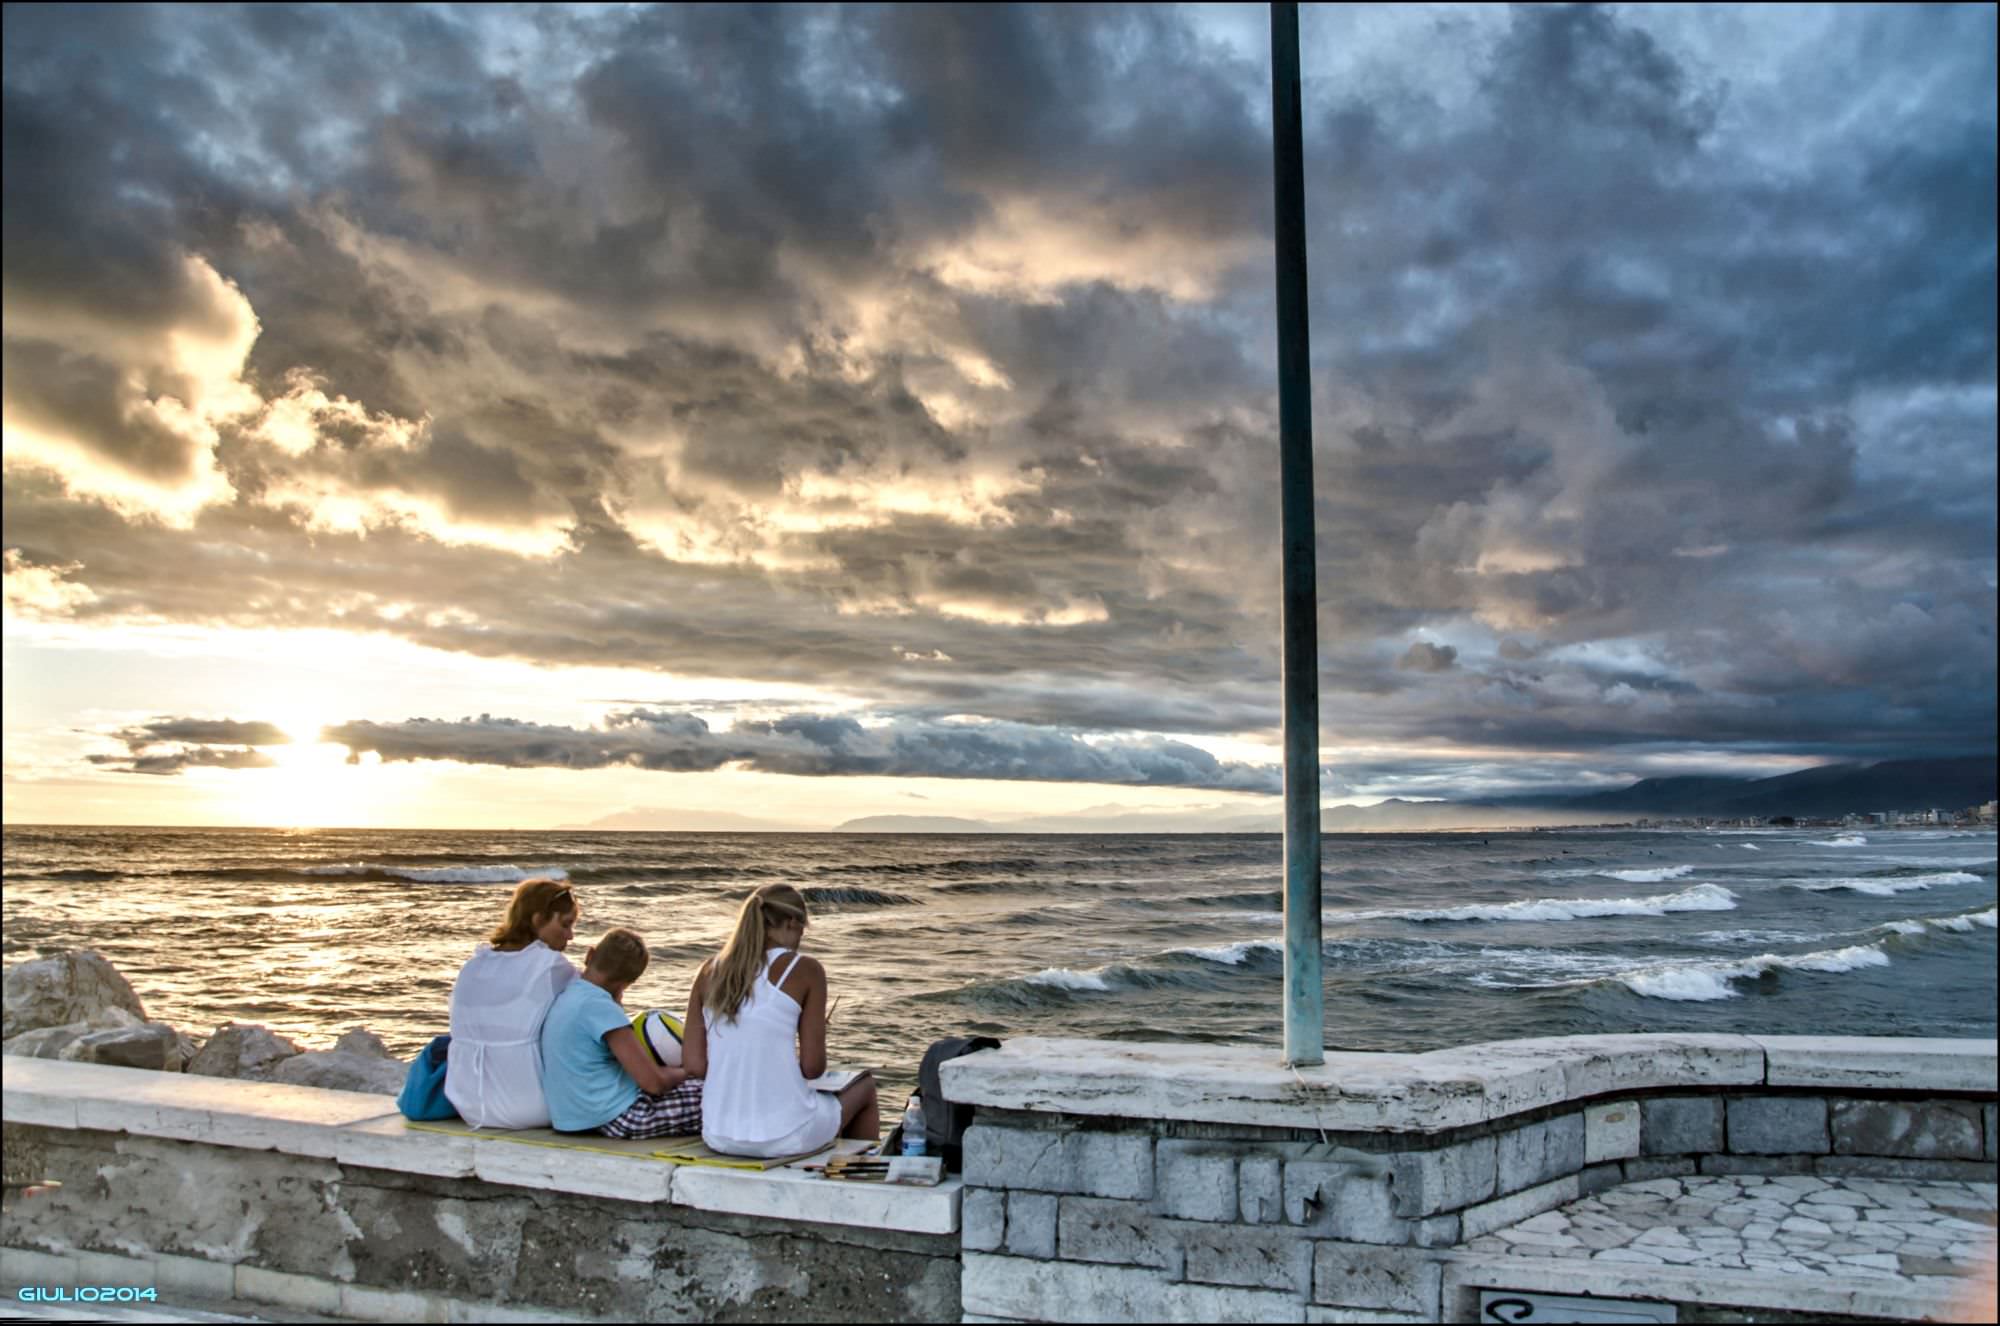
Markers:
{"x": 736, "y": 970}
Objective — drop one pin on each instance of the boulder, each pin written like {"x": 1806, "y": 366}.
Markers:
{"x": 50, "y": 1042}
{"x": 342, "y": 1070}
{"x": 363, "y": 1042}
{"x": 62, "y": 988}
{"x": 153, "y": 1045}
{"x": 243, "y": 1050}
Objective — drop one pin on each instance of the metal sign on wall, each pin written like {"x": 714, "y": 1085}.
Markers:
{"x": 1506, "y": 1305}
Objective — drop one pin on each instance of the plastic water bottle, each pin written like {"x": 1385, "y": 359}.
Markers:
{"x": 913, "y": 1126}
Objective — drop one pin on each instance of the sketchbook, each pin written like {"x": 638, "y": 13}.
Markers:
{"x": 838, "y": 1079}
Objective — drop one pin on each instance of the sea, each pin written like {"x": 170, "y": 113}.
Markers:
{"x": 1430, "y": 940}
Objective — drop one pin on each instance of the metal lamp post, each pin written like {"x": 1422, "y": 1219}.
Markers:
{"x": 1305, "y": 999}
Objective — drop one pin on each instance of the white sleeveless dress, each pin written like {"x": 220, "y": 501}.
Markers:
{"x": 755, "y": 1101}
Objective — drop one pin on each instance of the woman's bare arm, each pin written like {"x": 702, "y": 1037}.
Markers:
{"x": 694, "y": 1029}
{"x": 812, "y": 1015}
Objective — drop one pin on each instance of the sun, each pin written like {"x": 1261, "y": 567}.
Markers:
{"x": 311, "y": 784}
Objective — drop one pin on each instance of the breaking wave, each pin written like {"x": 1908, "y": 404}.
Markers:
{"x": 1659, "y": 876}
{"x": 824, "y": 895}
{"x": 1234, "y": 955}
{"x": 1703, "y": 981}
{"x": 1884, "y": 886}
{"x": 1700, "y": 898}
{"x": 1963, "y": 923}
{"x": 1841, "y": 840}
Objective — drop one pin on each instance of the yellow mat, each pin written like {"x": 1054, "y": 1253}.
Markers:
{"x": 675, "y": 1150}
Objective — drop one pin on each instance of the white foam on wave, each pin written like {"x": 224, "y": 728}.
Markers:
{"x": 1887, "y": 886}
{"x": 1062, "y": 978}
{"x": 1750, "y": 847}
{"x": 1698, "y": 982}
{"x": 1963, "y": 923}
{"x": 1700, "y": 898}
{"x": 1659, "y": 876}
{"x": 444, "y": 874}
{"x": 1233, "y": 955}
{"x": 1841, "y": 840}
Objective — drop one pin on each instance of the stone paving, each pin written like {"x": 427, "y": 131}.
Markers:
{"x": 1790, "y": 1224}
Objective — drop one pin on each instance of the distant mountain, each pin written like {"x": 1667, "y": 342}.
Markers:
{"x": 1823, "y": 792}
{"x": 666, "y": 819}
{"x": 918, "y": 824}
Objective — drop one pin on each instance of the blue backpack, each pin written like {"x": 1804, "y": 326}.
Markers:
{"x": 423, "y": 1090}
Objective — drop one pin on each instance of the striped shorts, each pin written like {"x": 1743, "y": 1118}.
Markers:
{"x": 673, "y": 1115}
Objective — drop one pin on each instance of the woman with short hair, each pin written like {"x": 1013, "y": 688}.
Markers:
{"x": 494, "y": 1074}
{"x": 756, "y": 1032}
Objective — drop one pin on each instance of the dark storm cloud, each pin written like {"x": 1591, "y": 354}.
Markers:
{"x": 199, "y": 741}
{"x": 807, "y": 745}
{"x": 193, "y": 757}
{"x": 924, "y": 353}
{"x": 200, "y": 731}
{"x": 1423, "y": 656}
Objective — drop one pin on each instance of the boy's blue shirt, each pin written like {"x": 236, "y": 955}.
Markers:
{"x": 586, "y": 1085}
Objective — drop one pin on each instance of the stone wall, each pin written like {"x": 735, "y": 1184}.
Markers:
{"x": 1103, "y": 1181}
{"x": 314, "y": 1235}
{"x": 1072, "y": 1216}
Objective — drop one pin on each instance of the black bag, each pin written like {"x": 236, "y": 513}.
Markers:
{"x": 945, "y": 1124}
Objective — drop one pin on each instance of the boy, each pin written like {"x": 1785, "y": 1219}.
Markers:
{"x": 596, "y": 1075}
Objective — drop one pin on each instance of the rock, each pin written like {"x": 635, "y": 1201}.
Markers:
{"x": 63, "y": 988}
{"x": 243, "y": 1050}
{"x": 342, "y": 1070}
{"x": 190, "y": 1046}
{"x": 363, "y": 1042}
{"x": 50, "y": 1042}
{"x": 153, "y": 1045}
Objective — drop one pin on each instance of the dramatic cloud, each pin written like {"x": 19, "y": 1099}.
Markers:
{"x": 924, "y": 354}
{"x": 808, "y": 745}
{"x": 1423, "y": 656}
{"x": 196, "y": 738}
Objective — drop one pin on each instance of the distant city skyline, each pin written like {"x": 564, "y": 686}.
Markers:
{"x": 519, "y": 416}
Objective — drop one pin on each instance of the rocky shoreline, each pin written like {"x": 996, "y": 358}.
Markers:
{"x": 75, "y": 1005}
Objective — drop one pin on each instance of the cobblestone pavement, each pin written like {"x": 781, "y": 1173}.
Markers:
{"x": 1797, "y": 1225}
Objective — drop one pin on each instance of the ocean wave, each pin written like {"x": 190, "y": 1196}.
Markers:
{"x": 1962, "y": 923}
{"x": 1062, "y": 978}
{"x": 1750, "y": 847}
{"x": 1258, "y": 899}
{"x": 434, "y": 874}
{"x": 1699, "y": 982}
{"x": 1700, "y": 898}
{"x": 1884, "y": 886}
{"x": 956, "y": 866}
{"x": 849, "y": 895}
{"x": 1841, "y": 840}
{"x": 1755, "y": 936}
{"x": 1233, "y": 955}
{"x": 1659, "y": 876}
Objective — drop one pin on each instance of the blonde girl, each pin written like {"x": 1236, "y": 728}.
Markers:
{"x": 756, "y": 1031}
{"x": 494, "y": 1074}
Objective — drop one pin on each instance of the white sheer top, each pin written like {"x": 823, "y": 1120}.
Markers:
{"x": 755, "y": 1094}
{"x": 494, "y": 1075}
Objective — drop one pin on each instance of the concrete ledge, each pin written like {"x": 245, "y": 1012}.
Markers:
{"x": 351, "y": 1128}
{"x": 1444, "y": 1089}
{"x": 793, "y": 1194}
{"x": 259, "y": 1116}
{"x": 1882, "y": 1063}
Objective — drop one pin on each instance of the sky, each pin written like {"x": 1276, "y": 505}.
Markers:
{"x": 518, "y": 416}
